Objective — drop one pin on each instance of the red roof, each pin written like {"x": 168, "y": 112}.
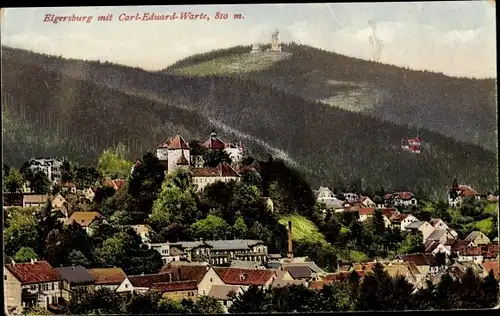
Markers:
{"x": 492, "y": 265}
{"x": 404, "y": 195}
{"x": 419, "y": 259}
{"x": 222, "y": 170}
{"x": 148, "y": 279}
{"x": 186, "y": 272}
{"x": 467, "y": 191}
{"x": 176, "y": 142}
{"x": 234, "y": 276}
{"x": 389, "y": 212}
{"x": 388, "y": 196}
{"x": 108, "y": 275}
{"x": 214, "y": 142}
{"x": 174, "y": 286}
{"x": 399, "y": 218}
{"x": 470, "y": 251}
{"x": 31, "y": 273}
{"x": 317, "y": 285}
{"x": 367, "y": 211}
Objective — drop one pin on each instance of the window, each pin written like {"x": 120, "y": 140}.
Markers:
{"x": 52, "y": 286}
{"x": 211, "y": 279}
{"x": 5, "y": 276}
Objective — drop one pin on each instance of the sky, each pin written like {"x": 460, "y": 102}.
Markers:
{"x": 457, "y": 38}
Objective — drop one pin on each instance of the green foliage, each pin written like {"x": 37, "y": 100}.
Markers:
{"x": 240, "y": 228}
{"x": 67, "y": 174}
{"x": 212, "y": 158}
{"x": 303, "y": 229}
{"x": 13, "y": 181}
{"x": 211, "y": 228}
{"x": 174, "y": 206}
{"x": 20, "y": 231}
{"x": 25, "y": 254}
{"x": 112, "y": 163}
{"x": 40, "y": 184}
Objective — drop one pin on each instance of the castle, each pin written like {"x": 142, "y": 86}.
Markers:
{"x": 412, "y": 144}
{"x": 275, "y": 44}
{"x": 175, "y": 153}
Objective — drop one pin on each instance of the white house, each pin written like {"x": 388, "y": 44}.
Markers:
{"x": 30, "y": 284}
{"x": 458, "y": 193}
{"x": 324, "y": 193}
{"x": 367, "y": 202}
{"x": 222, "y": 294}
{"x": 169, "y": 253}
{"x": 470, "y": 254}
{"x": 210, "y": 279}
{"x": 424, "y": 228}
{"x": 107, "y": 278}
{"x": 140, "y": 284}
{"x": 403, "y": 220}
{"x": 50, "y": 166}
{"x": 401, "y": 199}
{"x": 205, "y": 176}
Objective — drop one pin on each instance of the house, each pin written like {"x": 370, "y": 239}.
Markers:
{"x": 440, "y": 235}
{"x": 473, "y": 254}
{"x": 215, "y": 143}
{"x": 403, "y": 220}
{"x": 140, "y": 284}
{"x": 35, "y": 200}
{"x": 335, "y": 204}
{"x": 217, "y": 252}
{"x": 458, "y": 193}
{"x": 435, "y": 247}
{"x": 438, "y": 223}
{"x": 315, "y": 270}
{"x": 11, "y": 200}
{"x": 85, "y": 219}
{"x": 109, "y": 278}
{"x": 168, "y": 252}
{"x": 59, "y": 203}
{"x": 66, "y": 186}
{"x": 324, "y": 193}
{"x": 89, "y": 194}
{"x": 351, "y": 197}
{"x": 30, "y": 284}
{"x": 401, "y": 199}
{"x": 204, "y": 275}
{"x": 246, "y": 277}
{"x": 177, "y": 290}
{"x": 50, "y": 166}
{"x": 367, "y": 202}
{"x": 425, "y": 263}
{"x": 407, "y": 270}
{"x": 423, "y": 227}
{"x": 175, "y": 152}
{"x": 205, "y": 176}
{"x": 143, "y": 231}
{"x": 222, "y": 293}
{"x": 366, "y": 213}
{"x": 299, "y": 272}
{"x": 478, "y": 238}
{"x": 75, "y": 278}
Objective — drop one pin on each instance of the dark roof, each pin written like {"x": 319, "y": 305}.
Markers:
{"x": 174, "y": 286}
{"x": 298, "y": 272}
{"x": 31, "y": 273}
{"x": 186, "y": 272}
{"x": 182, "y": 161}
{"x": 234, "y": 276}
{"x": 419, "y": 259}
{"x": 12, "y": 199}
{"x": 437, "y": 234}
{"x": 221, "y": 292}
{"x": 108, "y": 275}
{"x": 75, "y": 275}
{"x": 148, "y": 279}
{"x": 214, "y": 142}
{"x": 273, "y": 265}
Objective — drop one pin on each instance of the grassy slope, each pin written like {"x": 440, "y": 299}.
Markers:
{"x": 303, "y": 229}
{"x": 388, "y": 92}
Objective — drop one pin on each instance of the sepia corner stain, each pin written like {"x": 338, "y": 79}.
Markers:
{"x": 492, "y": 2}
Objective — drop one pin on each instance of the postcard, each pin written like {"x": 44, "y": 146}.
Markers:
{"x": 307, "y": 157}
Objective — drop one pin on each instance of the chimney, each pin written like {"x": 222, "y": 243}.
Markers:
{"x": 13, "y": 263}
{"x": 290, "y": 242}
{"x": 32, "y": 262}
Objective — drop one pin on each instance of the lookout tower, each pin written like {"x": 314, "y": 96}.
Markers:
{"x": 275, "y": 45}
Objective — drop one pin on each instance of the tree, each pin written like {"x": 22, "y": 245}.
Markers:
{"x": 212, "y": 158}
{"x": 40, "y": 183}
{"x": 14, "y": 181}
{"x": 25, "y": 254}
{"x": 211, "y": 228}
{"x": 112, "y": 163}
{"x": 209, "y": 305}
{"x": 489, "y": 288}
{"x": 143, "y": 303}
{"x": 101, "y": 301}
{"x": 253, "y": 300}
{"x": 77, "y": 258}
{"x": 20, "y": 231}
{"x": 412, "y": 243}
{"x": 66, "y": 172}
{"x": 240, "y": 229}
{"x": 174, "y": 206}
{"x": 86, "y": 177}
{"x": 145, "y": 182}
{"x": 376, "y": 290}
{"x": 114, "y": 250}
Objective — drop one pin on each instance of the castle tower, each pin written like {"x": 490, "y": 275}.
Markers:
{"x": 177, "y": 151}
{"x": 275, "y": 45}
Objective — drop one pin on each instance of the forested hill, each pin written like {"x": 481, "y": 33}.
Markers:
{"x": 462, "y": 108}
{"x": 50, "y": 104}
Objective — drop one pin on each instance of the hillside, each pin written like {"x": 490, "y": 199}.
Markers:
{"x": 87, "y": 106}
{"x": 462, "y": 108}
{"x": 303, "y": 229}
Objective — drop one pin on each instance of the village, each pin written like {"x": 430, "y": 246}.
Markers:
{"x": 192, "y": 269}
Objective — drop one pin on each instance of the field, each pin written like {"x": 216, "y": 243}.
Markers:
{"x": 303, "y": 229}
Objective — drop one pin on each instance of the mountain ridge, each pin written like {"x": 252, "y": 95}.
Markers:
{"x": 336, "y": 145}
